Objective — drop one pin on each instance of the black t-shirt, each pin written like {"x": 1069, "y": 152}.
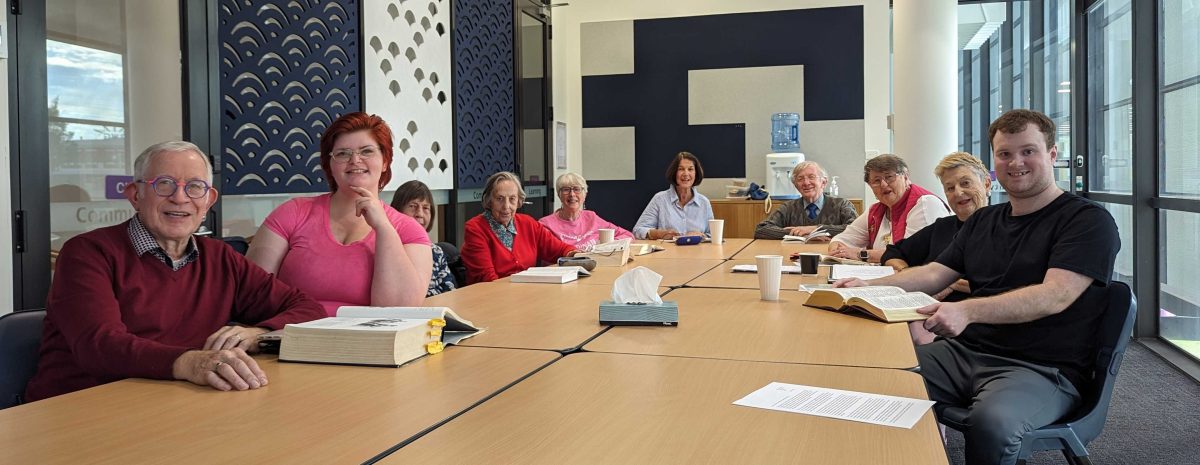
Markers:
{"x": 925, "y": 245}
{"x": 997, "y": 252}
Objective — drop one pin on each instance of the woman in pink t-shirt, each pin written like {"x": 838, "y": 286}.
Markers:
{"x": 348, "y": 247}
{"x": 571, "y": 223}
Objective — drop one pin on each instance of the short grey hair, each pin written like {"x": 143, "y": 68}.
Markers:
{"x": 810, "y": 164}
{"x": 142, "y": 163}
{"x": 963, "y": 160}
{"x": 570, "y": 179}
{"x": 886, "y": 163}
{"x": 495, "y": 179}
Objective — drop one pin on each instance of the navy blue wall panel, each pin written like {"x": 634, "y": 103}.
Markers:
{"x": 483, "y": 89}
{"x": 828, "y": 41}
{"x": 288, "y": 69}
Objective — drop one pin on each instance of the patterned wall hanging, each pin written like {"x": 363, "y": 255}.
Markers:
{"x": 483, "y": 85}
{"x": 406, "y": 76}
{"x": 288, "y": 69}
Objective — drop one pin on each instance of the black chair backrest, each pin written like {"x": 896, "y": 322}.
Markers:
{"x": 20, "y": 338}
{"x": 454, "y": 261}
{"x": 1116, "y": 326}
{"x": 239, "y": 243}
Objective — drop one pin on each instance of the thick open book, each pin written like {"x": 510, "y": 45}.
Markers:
{"x": 885, "y": 303}
{"x": 550, "y": 274}
{"x": 383, "y": 336}
{"x": 816, "y": 234}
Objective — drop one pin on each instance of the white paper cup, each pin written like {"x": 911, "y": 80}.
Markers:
{"x": 770, "y": 269}
{"x": 716, "y": 229}
{"x": 606, "y": 235}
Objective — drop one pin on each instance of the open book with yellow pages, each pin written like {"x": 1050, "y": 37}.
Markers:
{"x": 382, "y": 336}
{"x": 885, "y": 303}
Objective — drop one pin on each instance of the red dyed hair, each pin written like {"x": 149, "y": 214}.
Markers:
{"x": 354, "y": 122}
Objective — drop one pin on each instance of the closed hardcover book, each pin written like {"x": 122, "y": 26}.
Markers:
{"x": 549, "y": 274}
{"x": 380, "y": 341}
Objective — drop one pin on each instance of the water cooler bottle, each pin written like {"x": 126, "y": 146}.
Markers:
{"x": 785, "y": 143}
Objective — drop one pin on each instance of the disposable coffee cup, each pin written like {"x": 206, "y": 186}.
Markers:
{"x": 716, "y": 229}
{"x": 770, "y": 269}
{"x": 606, "y": 235}
{"x": 809, "y": 262}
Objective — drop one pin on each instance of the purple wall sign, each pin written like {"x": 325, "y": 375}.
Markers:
{"x": 114, "y": 186}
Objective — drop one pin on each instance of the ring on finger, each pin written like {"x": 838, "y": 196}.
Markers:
{"x": 217, "y": 366}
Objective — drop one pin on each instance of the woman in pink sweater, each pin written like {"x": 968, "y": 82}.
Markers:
{"x": 348, "y": 247}
{"x": 500, "y": 241}
{"x": 571, "y": 223}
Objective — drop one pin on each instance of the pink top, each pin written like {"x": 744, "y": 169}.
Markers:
{"x": 583, "y": 231}
{"x": 331, "y": 273}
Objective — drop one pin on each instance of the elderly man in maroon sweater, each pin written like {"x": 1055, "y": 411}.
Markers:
{"x": 147, "y": 299}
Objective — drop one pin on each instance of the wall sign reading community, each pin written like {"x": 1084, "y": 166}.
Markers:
{"x": 86, "y": 216}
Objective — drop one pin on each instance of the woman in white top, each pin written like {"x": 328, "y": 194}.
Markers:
{"x": 903, "y": 209}
{"x": 679, "y": 210}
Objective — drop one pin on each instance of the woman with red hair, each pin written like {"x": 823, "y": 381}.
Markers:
{"x": 378, "y": 256}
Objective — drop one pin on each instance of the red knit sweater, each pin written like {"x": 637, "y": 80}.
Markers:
{"x": 487, "y": 259}
{"x": 112, "y": 315}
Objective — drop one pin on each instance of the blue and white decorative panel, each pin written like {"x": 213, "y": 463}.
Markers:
{"x": 483, "y": 86}
{"x": 406, "y": 77}
{"x": 288, "y": 69}
{"x": 708, "y": 85}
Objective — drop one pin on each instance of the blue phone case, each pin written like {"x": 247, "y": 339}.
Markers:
{"x": 688, "y": 240}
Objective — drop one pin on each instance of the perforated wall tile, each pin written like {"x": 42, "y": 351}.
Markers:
{"x": 483, "y": 83}
{"x": 406, "y": 80}
{"x": 288, "y": 68}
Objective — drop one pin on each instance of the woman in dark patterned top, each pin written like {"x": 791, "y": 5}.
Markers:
{"x": 414, "y": 199}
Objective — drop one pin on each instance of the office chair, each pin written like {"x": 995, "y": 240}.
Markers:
{"x": 1072, "y": 436}
{"x": 454, "y": 261}
{"x": 20, "y": 338}
{"x": 240, "y": 244}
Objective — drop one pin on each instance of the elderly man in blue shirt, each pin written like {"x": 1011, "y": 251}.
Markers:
{"x": 679, "y": 210}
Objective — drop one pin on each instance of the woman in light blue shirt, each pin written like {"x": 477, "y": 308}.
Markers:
{"x": 679, "y": 210}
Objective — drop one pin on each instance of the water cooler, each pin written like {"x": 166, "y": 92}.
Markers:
{"x": 785, "y": 143}
{"x": 779, "y": 175}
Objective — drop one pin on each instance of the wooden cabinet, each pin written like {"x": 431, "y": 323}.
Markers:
{"x": 742, "y": 215}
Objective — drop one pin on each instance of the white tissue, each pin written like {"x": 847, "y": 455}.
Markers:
{"x": 637, "y": 286}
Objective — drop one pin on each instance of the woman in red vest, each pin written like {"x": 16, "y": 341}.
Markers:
{"x": 903, "y": 209}
{"x": 500, "y": 241}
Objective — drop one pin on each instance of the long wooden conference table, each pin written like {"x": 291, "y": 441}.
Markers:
{"x": 545, "y": 383}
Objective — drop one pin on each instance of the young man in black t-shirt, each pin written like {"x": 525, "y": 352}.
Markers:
{"x": 1018, "y": 352}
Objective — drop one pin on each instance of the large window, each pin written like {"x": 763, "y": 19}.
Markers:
{"x": 1018, "y": 56}
{"x": 1110, "y": 97}
{"x": 113, "y": 87}
{"x": 1179, "y": 142}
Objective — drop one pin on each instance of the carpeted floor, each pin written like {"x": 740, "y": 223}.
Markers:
{"x": 1154, "y": 418}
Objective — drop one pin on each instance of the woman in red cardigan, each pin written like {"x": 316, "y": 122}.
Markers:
{"x": 500, "y": 241}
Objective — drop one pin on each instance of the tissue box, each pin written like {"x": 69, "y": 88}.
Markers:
{"x": 664, "y": 314}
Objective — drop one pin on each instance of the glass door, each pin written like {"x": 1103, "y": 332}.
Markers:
{"x": 533, "y": 97}
{"x": 103, "y": 80}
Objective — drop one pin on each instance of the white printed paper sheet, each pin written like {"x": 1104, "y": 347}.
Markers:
{"x": 878, "y": 409}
